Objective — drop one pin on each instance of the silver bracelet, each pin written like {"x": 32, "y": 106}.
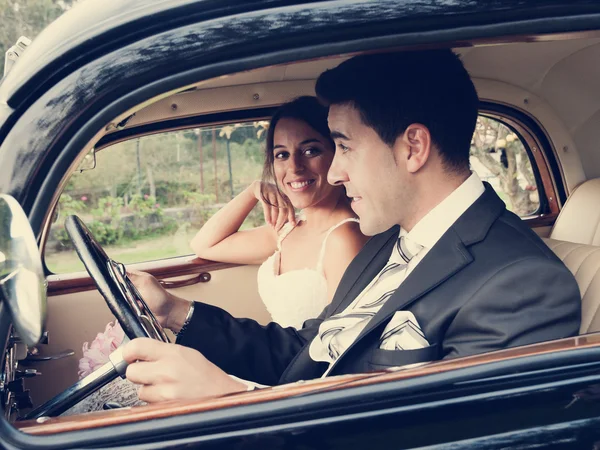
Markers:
{"x": 187, "y": 320}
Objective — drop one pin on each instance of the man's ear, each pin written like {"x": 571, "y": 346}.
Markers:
{"x": 415, "y": 146}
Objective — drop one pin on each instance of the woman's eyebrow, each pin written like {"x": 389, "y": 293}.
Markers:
{"x": 310, "y": 141}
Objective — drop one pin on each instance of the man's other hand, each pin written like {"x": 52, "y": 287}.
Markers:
{"x": 169, "y": 310}
{"x": 173, "y": 372}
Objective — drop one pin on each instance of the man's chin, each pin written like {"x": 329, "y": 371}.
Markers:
{"x": 373, "y": 227}
{"x": 368, "y": 229}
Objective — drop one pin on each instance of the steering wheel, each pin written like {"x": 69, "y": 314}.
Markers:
{"x": 124, "y": 301}
{"x": 112, "y": 282}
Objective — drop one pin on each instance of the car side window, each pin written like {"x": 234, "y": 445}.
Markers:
{"x": 147, "y": 197}
{"x": 499, "y": 156}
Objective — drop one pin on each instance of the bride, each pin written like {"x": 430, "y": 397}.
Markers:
{"x": 302, "y": 258}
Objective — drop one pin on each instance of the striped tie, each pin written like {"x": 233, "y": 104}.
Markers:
{"x": 338, "y": 332}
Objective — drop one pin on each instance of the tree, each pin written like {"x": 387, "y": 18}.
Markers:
{"x": 26, "y": 18}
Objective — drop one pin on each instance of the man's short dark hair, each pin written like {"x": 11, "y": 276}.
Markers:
{"x": 393, "y": 90}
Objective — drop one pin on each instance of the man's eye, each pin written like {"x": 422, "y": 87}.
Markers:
{"x": 342, "y": 147}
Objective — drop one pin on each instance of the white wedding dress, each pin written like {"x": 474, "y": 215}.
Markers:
{"x": 297, "y": 295}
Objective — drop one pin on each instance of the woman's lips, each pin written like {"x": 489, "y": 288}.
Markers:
{"x": 299, "y": 186}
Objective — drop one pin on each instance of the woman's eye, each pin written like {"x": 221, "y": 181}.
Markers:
{"x": 312, "y": 151}
{"x": 281, "y": 155}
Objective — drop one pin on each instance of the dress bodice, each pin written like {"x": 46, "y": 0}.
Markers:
{"x": 298, "y": 295}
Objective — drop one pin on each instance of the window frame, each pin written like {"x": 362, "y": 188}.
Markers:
{"x": 542, "y": 157}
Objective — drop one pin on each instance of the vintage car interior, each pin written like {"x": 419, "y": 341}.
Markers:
{"x": 545, "y": 91}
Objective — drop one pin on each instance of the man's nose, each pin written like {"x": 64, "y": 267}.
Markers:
{"x": 336, "y": 174}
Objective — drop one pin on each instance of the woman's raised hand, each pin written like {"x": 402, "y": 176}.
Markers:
{"x": 277, "y": 209}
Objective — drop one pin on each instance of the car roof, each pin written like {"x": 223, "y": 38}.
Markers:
{"x": 91, "y": 26}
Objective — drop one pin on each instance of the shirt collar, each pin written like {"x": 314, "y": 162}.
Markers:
{"x": 437, "y": 221}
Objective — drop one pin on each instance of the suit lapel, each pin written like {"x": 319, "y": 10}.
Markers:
{"x": 365, "y": 266}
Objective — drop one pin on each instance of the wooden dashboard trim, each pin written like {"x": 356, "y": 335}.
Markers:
{"x": 97, "y": 419}
{"x": 164, "y": 268}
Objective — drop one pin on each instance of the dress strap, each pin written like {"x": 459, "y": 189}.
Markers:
{"x": 287, "y": 229}
{"x": 322, "y": 252}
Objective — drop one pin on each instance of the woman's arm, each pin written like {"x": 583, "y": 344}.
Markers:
{"x": 342, "y": 246}
{"x": 220, "y": 240}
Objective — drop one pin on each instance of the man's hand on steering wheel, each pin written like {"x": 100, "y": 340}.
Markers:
{"x": 169, "y": 310}
{"x": 174, "y": 372}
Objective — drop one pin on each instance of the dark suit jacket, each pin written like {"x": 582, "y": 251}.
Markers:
{"x": 489, "y": 283}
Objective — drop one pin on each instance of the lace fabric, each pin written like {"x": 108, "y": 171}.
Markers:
{"x": 120, "y": 391}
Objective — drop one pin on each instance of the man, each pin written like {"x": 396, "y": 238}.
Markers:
{"x": 449, "y": 271}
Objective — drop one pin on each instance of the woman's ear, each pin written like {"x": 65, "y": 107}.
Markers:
{"x": 416, "y": 146}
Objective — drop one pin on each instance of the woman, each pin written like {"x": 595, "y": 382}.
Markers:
{"x": 302, "y": 260}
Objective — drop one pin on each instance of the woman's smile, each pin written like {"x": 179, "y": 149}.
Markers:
{"x": 300, "y": 185}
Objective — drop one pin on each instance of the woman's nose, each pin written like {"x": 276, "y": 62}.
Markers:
{"x": 296, "y": 164}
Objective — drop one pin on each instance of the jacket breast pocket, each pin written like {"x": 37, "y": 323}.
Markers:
{"x": 384, "y": 359}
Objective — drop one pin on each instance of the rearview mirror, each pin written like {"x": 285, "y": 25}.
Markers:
{"x": 22, "y": 281}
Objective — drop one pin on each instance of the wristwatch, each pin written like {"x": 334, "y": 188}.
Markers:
{"x": 187, "y": 320}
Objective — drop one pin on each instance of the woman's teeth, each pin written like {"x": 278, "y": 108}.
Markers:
{"x": 301, "y": 184}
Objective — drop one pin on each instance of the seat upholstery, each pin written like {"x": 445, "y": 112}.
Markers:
{"x": 579, "y": 220}
{"x": 584, "y": 262}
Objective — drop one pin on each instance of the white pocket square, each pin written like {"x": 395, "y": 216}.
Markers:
{"x": 402, "y": 333}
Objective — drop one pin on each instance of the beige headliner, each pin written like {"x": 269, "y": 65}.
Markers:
{"x": 556, "y": 82}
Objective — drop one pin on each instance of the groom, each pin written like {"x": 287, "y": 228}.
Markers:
{"x": 448, "y": 272}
